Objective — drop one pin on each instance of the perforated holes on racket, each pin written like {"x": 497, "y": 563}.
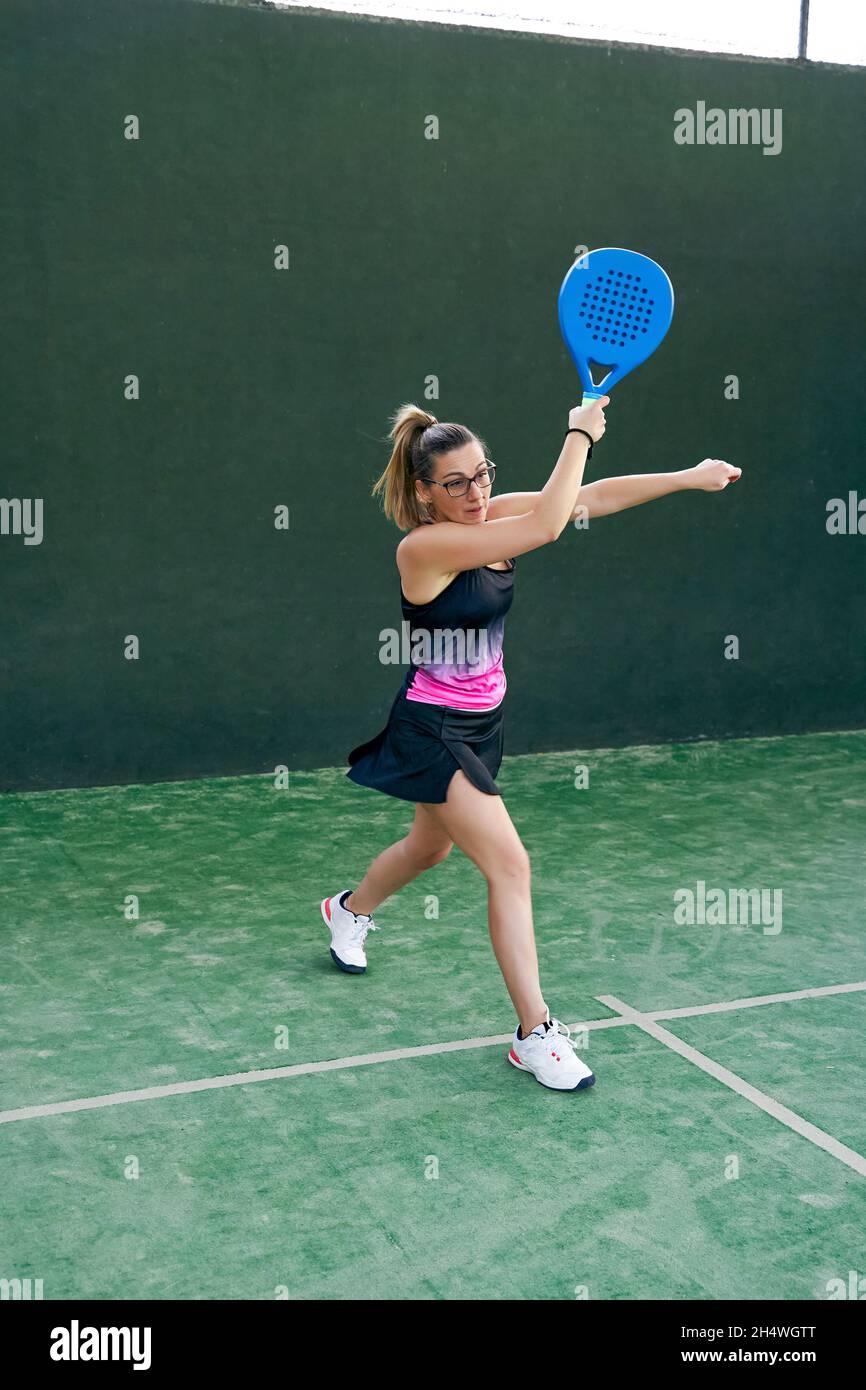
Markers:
{"x": 617, "y": 294}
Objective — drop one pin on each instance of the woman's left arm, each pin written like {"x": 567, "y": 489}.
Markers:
{"x": 610, "y": 495}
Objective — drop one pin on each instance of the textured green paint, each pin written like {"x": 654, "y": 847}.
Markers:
{"x": 317, "y": 1183}
{"x": 409, "y": 258}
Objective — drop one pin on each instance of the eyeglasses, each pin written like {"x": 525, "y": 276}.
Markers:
{"x": 458, "y": 487}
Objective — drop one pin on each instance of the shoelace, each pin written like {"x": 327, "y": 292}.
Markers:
{"x": 360, "y": 929}
{"x": 558, "y": 1038}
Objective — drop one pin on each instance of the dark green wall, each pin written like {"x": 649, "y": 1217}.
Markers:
{"x": 408, "y": 257}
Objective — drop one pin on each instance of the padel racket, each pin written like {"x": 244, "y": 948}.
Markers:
{"x": 615, "y": 307}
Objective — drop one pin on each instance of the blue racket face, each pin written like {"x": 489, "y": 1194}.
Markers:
{"x": 615, "y": 307}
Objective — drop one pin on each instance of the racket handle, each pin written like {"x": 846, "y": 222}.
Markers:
{"x": 590, "y": 396}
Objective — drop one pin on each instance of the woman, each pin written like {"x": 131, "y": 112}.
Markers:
{"x": 442, "y": 746}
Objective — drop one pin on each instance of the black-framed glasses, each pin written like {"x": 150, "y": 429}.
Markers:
{"x": 458, "y": 487}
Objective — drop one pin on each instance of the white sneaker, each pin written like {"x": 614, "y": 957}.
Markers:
{"x": 549, "y": 1054}
{"x": 348, "y": 933}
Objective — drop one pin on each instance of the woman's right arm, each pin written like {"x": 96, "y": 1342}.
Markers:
{"x": 451, "y": 545}
{"x": 558, "y": 498}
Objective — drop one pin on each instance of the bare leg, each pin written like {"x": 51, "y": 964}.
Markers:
{"x": 425, "y": 845}
{"x": 481, "y": 826}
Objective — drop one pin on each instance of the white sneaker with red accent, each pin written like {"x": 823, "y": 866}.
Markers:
{"x": 549, "y": 1054}
{"x": 348, "y": 933}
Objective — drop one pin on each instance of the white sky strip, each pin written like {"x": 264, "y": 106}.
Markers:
{"x": 739, "y": 26}
{"x": 767, "y": 29}
{"x": 837, "y": 31}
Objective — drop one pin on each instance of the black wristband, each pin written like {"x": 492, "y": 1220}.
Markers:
{"x": 576, "y": 430}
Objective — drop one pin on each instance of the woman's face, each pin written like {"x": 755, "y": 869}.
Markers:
{"x": 458, "y": 466}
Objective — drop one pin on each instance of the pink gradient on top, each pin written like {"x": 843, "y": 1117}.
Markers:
{"x": 483, "y": 690}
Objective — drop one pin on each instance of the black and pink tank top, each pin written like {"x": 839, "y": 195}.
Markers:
{"x": 456, "y": 641}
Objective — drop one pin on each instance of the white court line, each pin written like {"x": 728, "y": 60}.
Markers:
{"x": 742, "y": 1088}
{"x": 753, "y": 1002}
{"x": 249, "y": 1078}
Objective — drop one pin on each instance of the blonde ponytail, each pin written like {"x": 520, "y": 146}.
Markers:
{"x": 417, "y": 436}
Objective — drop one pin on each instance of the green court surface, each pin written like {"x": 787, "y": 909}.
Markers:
{"x": 412, "y": 1169}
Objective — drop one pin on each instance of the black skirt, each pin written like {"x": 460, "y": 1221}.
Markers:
{"x": 422, "y": 746}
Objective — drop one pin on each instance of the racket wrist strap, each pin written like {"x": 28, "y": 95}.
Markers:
{"x": 575, "y": 430}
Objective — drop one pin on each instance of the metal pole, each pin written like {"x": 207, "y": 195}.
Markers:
{"x": 804, "y": 30}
